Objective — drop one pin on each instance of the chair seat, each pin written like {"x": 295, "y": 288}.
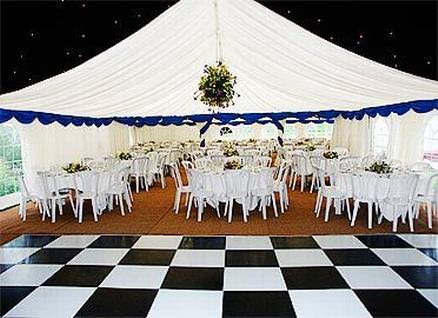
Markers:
{"x": 86, "y": 195}
{"x": 333, "y": 192}
{"x": 424, "y": 198}
{"x": 396, "y": 201}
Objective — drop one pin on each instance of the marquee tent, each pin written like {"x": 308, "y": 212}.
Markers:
{"x": 284, "y": 73}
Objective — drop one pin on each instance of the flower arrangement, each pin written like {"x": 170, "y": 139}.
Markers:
{"x": 74, "y": 167}
{"x": 380, "y": 167}
{"x": 330, "y": 155}
{"x": 252, "y": 140}
{"x": 216, "y": 87}
{"x": 124, "y": 156}
{"x": 148, "y": 150}
{"x": 233, "y": 165}
{"x": 310, "y": 148}
{"x": 229, "y": 150}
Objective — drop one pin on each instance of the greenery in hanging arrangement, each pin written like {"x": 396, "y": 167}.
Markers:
{"x": 74, "y": 167}
{"x": 310, "y": 148}
{"x": 380, "y": 167}
{"x": 216, "y": 87}
{"x": 233, "y": 165}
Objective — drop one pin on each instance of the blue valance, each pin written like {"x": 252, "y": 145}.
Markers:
{"x": 27, "y": 117}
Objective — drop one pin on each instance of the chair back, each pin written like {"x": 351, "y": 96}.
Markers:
{"x": 176, "y": 175}
{"x": 139, "y": 166}
{"x": 432, "y": 188}
{"x": 202, "y": 163}
{"x": 365, "y": 186}
{"x": 236, "y": 182}
{"x": 301, "y": 164}
{"x": 403, "y": 186}
{"x": 22, "y": 186}
{"x": 264, "y": 161}
{"x": 87, "y": 182}
{"x": 343, "y": 152}
{"x": 420, "y": 166}
{"x": 349, "y": 163}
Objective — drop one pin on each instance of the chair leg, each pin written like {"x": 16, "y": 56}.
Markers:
{"x": 200, "y": 208}
{"x": 303, "y": 180}
{"x": 429, "y": 214}
{"x": 81, "y": 210}
{"x": 177, "y": 199}
{"x": 313, "y": 183}
{"x": 274, "y": 204}
{"x": 318, "y": 197}
{"x": 137, "y": 184}
{"x": 281, "y": 201}
{"x": 230, "y": 211}
{"x": 370, "y": 215}
{"x": 94, "y": 205}
{"x": 355, "y": 210}
{"x": 53, "y": 211}
{"x": 328, "y": 203}
{"x": 347, "y": 203}
{"x": 122, "y": 208}
{"x": 189, "y": 207}
{"x": 295, "y": 182}
{"x": 411, "y": 218}
{"x": 70, "y": 198}
{"x": 244, "y": 212}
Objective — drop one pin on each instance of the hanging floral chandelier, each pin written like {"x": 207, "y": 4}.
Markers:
{"x": 216, "y": 87}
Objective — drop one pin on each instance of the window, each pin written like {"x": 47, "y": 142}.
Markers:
{"x": 290, "y": 131}
{"x": 381, "y": 136}
{"x": 10, "y": 159}
{"x": 430, "y": 146}
{"x": 323, "y": 130}
{"x": 269, "y": 131}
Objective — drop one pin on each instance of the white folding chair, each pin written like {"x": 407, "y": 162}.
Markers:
{"x": 180, "y": 188}
{"x": 87, "y": 188}
{"x": 428, "y": 198}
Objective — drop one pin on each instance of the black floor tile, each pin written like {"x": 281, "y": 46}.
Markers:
{"x": 419, "y": 276}
{"x": 31, "y": 241}
{"x": 256, "y": 258}
{"x": 257, "y": 304}
{"x": 111, "y": 302}
{"x": 294, "y": 242}
{"x": 148, "y": 257}
{"x": 313, "y": 278}
{"x": 194, "y": 278}
{"x": 357, "y": 257}
{"x": 207, "y": 243}
{"x": 383, "y": 241}
{"x": 79, "y": 275}
{"x": 11, "y": 296}
{"x": 4, "y": 267}
{"x": 396, "y": 303}
{"x": 52, "y": 256}
{"x": 431, "y": 252}
{"x": 115, "y": 241}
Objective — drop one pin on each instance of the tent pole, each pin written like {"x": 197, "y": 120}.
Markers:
{"x": 219, "y": 57}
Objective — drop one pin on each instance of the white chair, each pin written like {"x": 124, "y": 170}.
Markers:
{"x": 117, "y": 188}
{"x": 87, "y": 188}
{"x": 280, "y": 184}
{"x": 139, "y": 173}
{"x": 54, "y": 196}
{"x": 401, "y": 198}
{"x": 236, "y": 182}
{"x": 420, "y": 166}
{"x": 368, "y": 161}
{"x": 365, "y": 187}
{"x": 179, "y": 187}
{"x": 264, "y": 161}
{"x": 429, "y": 198}
{"x": 343, "y": 152}
{"x": 302, "y": 169}
{"x": 331, "y": 193}
{"x": 26, "y": 196}
{"x": 162, "y": 169}
{"x": 199, "y": 194}
{"x": 265, "y": 191}
{"x": 202, "y": 163}
{"x": 349, "y": 163}
{"x": 316, "y": 162}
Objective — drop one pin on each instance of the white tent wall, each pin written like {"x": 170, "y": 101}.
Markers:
{"x": 45, "y": 146}
{"x": 406, "y": 135}
{"x": 165, "y": 133}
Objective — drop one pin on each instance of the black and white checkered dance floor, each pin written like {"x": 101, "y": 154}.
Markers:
{"x": 207, "y": 277}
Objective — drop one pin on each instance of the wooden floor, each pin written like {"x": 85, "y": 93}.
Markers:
{"x": 153, "y": 214}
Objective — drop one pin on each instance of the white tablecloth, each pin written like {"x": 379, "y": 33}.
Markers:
{"x": 214, "y": 183}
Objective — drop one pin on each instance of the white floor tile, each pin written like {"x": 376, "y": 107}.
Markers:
{"x": 13, "y": 255}
{"x": 430, "y": 294}
{"x": 158, "y": 242}
{"x": 248, "y": 242}
{"x": 403, "y": 256}
{"x": 28, "y": 274}
{"x": 372, "y": 277}
{"x": 199, "y": 258}
{"x": 99, "y": 256}
{"x": 72, "y": 241}
{"x": 48, "y": 302}
{"x": 186, "y": 304}
{"x": 338, "y": 241}
{"x": 336, "y": 303}
{"x": 421, "y": 240}
{"x": 126, "y": 276}
{"x": 302, "y": 257}
{"x": 255, "y": 278}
